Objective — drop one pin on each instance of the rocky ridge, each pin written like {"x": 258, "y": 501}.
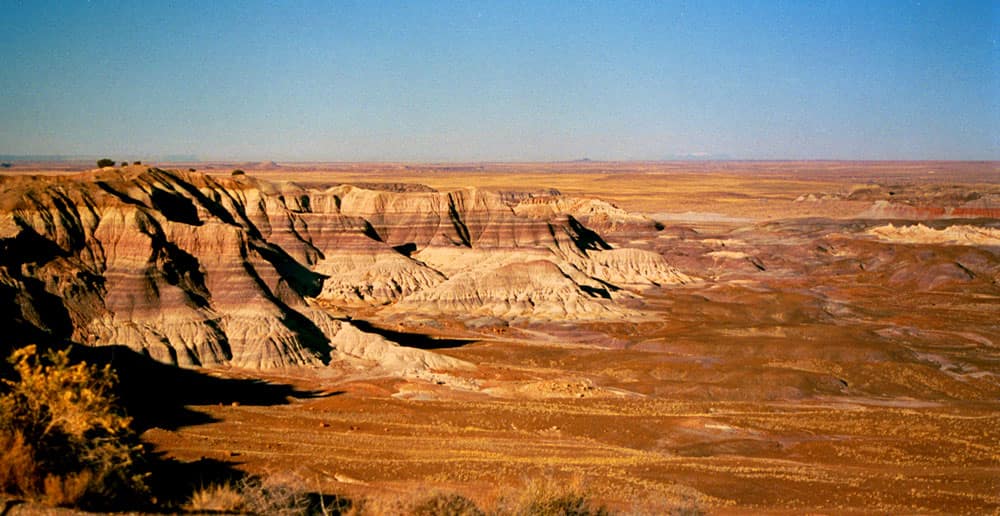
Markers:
{"x": 198, "y": 270}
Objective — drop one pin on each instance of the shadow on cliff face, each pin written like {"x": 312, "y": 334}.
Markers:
{"x": 585, "y": 238}
{"x": 159, "y": 395}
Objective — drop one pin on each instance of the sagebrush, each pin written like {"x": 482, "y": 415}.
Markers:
{"x": 67, "y": 443}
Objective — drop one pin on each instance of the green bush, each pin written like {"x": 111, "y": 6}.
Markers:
{"x": 67, "y": 443}
{"x": 105, "y": 162}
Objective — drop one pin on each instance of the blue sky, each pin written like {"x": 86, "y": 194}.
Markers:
{"x": 480, "y": 81}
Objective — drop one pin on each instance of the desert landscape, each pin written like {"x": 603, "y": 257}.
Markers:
{"x": 508, "y": 259}
{"x": 675, "y": 337}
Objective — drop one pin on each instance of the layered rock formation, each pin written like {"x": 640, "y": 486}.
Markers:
{"x": 198, "y": 270}
{"x": 960, "y": 234}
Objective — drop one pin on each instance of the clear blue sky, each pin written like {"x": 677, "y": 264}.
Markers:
{"x": 366, "y": 80}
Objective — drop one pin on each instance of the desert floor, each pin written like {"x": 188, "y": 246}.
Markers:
{"x": 814, "y": 366}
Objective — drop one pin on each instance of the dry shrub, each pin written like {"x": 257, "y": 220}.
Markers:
{"x": 446, "y": 504}
{"x": 216, "y": 498}
{"x": 66, "y": 490}
{"x": 17, "y": 464}
{"x": 550, "y": 498}
{"x": 273, "y": 495}
{"x": 68, "y": 443}
{"x": 382, "y": 505}
{"x": 657, "y": 505}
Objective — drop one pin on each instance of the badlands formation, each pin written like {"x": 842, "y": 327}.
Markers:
{"x": 193, "y": 270}
{"x": 732, "y": 337}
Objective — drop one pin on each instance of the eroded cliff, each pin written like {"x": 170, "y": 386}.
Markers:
{"x": 199, "y": 271}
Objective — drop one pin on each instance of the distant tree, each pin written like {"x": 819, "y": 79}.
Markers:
{"x": 137, "y": 163}
{"x": 105, "y": 162}
{"x": 5, "y": 165}
{"x": 124, "y": 163}
{"x": 239, "y": 172}
{"x": 192, "y": 170}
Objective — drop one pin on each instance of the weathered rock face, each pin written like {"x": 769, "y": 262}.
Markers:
{"x": 598, "y": 215}
{"x": 196, "y": 270}
{"x": 535, "y": 289}
{"x": 928, "y": 202}
{"x": 961, "y": 234}
{"x": 174, "y": 265}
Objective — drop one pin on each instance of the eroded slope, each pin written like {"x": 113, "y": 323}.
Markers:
{"x": 199, "y": 270}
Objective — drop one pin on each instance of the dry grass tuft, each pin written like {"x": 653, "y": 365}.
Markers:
{"x": 280, "y": 495}
{"x": 550, "y": 498}
{"x": 216, "y": 498}
{"x": 276, "y": 495}
{"x": 446, "y": 504}
{"x": 384, "y": 505}
{"x": 536, "y": 498}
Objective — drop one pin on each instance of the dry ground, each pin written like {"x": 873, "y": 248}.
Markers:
{"x": 811, "y": 370}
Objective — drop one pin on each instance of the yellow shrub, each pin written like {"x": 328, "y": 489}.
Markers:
{"x": 82, "y": 450}
{"x": 59, "y": 396}
{"x": 217, "y": 498}
{"x": 17, "y": 464}
{"x": 66, "y": 490}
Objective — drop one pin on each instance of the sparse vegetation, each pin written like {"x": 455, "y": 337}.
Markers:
{"x": 65, "y": 441}
{"x": 124, "y": 163}
{"x": 217, "y": 498}
{"x": 550, "y": 498}
{"x": 137, "y": 162}
{"x": 105, "y": 162}
{"x": 566, "y": 504}
{"x": 276, "y": 495}
{"x": 446, "y": 504}
{"x": 537, "y": 498}
{"x": 239, "y": 172}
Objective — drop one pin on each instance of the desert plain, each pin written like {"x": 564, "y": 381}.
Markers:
{"x": 725, "y": 337}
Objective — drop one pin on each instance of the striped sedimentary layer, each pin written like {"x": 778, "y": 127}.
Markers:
{"x": 199, "y": 270}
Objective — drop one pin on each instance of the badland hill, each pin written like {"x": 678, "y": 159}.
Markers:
{"x": 195, "y": 270}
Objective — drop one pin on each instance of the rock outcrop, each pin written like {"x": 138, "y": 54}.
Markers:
{"x": 200, "y": 271}
{"x": 959, "y": 234}
{"x": 534, "y": 289}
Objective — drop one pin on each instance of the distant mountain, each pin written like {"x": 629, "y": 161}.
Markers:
{"x": 697, "y": 156}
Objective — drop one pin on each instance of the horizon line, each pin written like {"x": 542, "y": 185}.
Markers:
{"x": 57, "y": 158}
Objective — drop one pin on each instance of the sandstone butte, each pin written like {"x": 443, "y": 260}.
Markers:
{"x": 196, "y": 270}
